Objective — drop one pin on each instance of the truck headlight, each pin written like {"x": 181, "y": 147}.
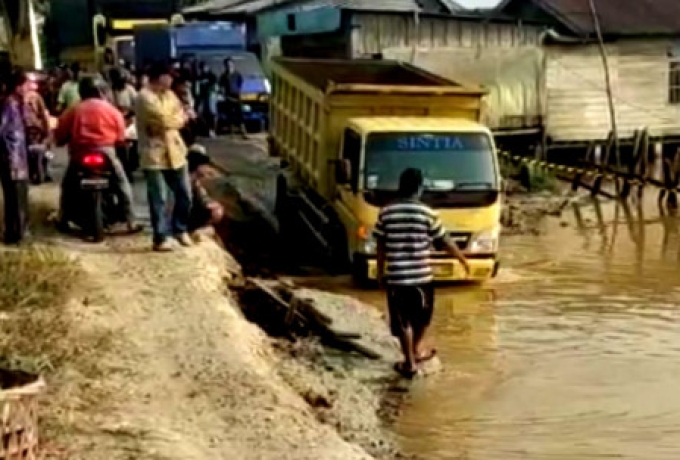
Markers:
{"x": 246, "y": 108}
{"x": 485, "y": 242}
{"x": 366, "y": 244}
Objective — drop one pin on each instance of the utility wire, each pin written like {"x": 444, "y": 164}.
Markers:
{"x": 608, "y": 85}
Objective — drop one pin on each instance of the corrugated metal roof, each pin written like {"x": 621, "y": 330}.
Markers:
{"x": 206, "y": 6}
{"x": 256, "y": 6}
{"x": 252, "y": 6}
{"x": 453, "y": 6}
{"x": 372, "y": 5}
{"x": 234, "y": 6}
{"x": 617, "y": 17}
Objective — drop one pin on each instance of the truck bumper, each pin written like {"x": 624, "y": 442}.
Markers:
{"x": 450, "y": 270}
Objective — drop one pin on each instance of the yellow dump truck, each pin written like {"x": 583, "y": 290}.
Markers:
{"x": 346, "y": 129}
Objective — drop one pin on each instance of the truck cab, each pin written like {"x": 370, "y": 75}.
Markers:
{"x": 462, "y": 182}
{"x": 345, "y": 131}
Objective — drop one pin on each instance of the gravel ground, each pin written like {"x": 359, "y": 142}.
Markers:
{"x": 349, "y": 392}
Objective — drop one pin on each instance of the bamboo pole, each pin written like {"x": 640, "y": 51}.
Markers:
{"x": 608, "y": 84}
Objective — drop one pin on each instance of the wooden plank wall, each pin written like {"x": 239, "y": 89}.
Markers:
{"x": 373, "y": 32}
{"x": 575, "y": 100}
{"x": 577, "y": 106}
{"x": 467, "y": 51}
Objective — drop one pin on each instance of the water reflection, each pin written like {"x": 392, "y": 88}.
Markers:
{"x": 569, "y": 354}
{"x": 466, "y": 333}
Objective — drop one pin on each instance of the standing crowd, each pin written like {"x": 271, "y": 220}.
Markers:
{"x": 167, "y": 105}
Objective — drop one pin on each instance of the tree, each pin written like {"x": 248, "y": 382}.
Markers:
{"x": 15, "y": 14}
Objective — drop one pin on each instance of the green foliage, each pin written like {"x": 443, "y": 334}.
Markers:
{"x": 542, "y": 181}
{"x": 533, "y": 178}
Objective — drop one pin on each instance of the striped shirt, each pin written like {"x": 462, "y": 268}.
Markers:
{"x": 408, "y": 228}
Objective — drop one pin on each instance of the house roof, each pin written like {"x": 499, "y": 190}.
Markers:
{"x": 257, "y": 6}
{"x": 235, "y": 6}
{"x": 423, "y": 6}
{"x": 617, "y": 17}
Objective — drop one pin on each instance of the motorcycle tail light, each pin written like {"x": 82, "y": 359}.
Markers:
{"x": 94, "y": 160}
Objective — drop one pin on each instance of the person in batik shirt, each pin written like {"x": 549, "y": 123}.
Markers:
{"x": 14, "y": 173}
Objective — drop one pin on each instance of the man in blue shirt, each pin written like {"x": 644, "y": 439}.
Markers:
{"x": 231, "y": 82}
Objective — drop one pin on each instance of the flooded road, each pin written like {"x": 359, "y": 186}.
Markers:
{"x": 572, "y": 353}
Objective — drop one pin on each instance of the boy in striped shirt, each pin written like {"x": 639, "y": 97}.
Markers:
{"x": 406, "y": 230}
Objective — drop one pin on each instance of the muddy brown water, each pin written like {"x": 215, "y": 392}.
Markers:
{"x": 573, "y": 352}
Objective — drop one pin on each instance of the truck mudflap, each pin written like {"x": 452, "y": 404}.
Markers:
{"x": 450, "y": 270}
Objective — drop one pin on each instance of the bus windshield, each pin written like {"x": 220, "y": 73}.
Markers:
{"x": 245, "y": 63}
{"x": 449, "y": 161}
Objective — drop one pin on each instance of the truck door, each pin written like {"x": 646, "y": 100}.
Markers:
{"x": 345, "y": 204}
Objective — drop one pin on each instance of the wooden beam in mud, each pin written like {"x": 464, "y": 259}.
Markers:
{"x": 299, "y": 316}
{"x": 579, "y": 182}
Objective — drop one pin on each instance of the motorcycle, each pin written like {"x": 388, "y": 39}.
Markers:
{"x": 98, "y": 205}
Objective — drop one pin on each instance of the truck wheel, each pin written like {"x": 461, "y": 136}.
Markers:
{"x": 360, "y": 273}
{"x": 284, "y": 216}
{"x": 338, "y": 257}
{"x": 273, "y": 151}
{"x": 95, "y": 225}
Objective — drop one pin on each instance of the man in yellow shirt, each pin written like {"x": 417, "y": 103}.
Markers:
{"x": 163, "y": 157}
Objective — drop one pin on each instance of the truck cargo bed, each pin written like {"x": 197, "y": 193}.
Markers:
{"x": 370, "y": 74}
{"x": 313, "y": 100}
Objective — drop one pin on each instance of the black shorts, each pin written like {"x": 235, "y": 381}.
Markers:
{"x": 410, "y": 306}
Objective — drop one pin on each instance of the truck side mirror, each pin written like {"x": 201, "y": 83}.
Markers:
{"x": 343, "y": 172}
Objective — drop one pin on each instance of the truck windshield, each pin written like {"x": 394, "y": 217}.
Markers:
{"x": 245, "y": 63}
{"x": 125, "y": 49}
{"x": 448, "y": 161}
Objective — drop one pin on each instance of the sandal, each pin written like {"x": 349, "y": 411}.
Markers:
{"x": 427, "y": 356}
{"x": 404, "y": 371}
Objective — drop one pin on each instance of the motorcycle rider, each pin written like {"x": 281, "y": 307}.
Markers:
{"x": 94, "y": 124}
{"x": 123, "y": 96}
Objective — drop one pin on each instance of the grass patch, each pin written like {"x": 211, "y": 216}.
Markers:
{"x": 35, "y": 286}
{"x": 42, "y": 332}
{"x": 35, "y": 277}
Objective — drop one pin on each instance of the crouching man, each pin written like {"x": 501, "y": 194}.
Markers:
{"x": 205, "y": 212}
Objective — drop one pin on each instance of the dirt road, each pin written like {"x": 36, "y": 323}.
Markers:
{"x": 185, "y": 377}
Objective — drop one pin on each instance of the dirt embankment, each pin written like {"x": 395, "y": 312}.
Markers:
{"x": 155, "y": 360}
